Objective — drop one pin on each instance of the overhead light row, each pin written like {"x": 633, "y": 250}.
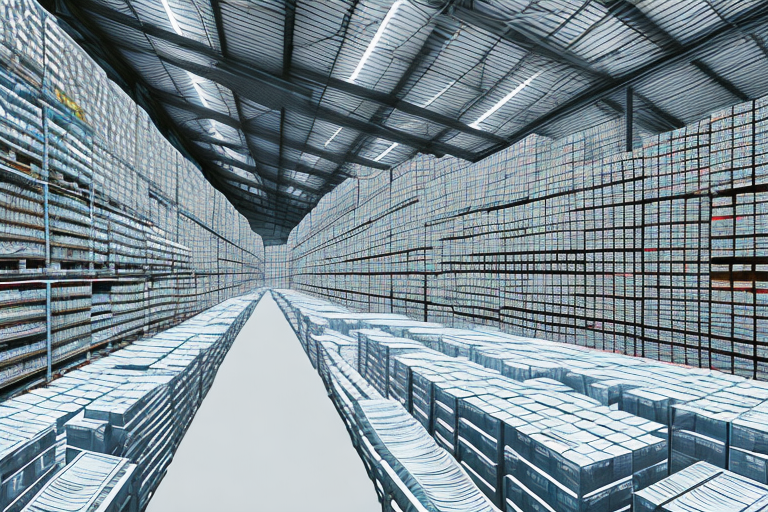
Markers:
{"x": 369, "y": 51}
{"x": 196, "y": 80}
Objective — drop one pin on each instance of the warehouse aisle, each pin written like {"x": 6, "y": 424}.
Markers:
{"x": 266, "y": 438}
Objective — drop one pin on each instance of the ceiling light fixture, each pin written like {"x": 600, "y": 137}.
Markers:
{"x": 505, "y": 99}
{"x": 332, "y": 137}
{"x": 172, "y": 18}
{"x": 375, "y": 40}
{"x": 369, "y": 51}
{"x": 196, "y": 81}
{"x": 443, "y": 90}
{"x": 386, "y": 151}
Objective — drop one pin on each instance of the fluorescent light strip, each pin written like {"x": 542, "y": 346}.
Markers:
{"x": 504, "y": 100}
{"x": 369, "y": 50}
{"x": 386, "y": 152}
{"x": 172, "y": 18}
{"x": 375, "y": 40}
{"x": 193, "y": 78}
{"x": 332, "y": 137}
{"x": 444, "y": 89}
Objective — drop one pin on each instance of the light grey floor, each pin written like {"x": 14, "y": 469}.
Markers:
{"x": 266, "y": 438}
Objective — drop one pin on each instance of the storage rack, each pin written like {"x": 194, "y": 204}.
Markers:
{"x": 107, "y": 234}
{"x": 659, "y": 252}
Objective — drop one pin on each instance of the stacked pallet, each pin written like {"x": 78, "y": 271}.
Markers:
{"x": 27, "y": 459}
{"x": 701, "y": 430}
{"x": 432, "y": 476}
{"x": 535, "y": 423}
{"x": 71, "y": 228}
{"x": 22, "y": 329}
{"x": 704, "y": 488}
{"x": 167, "y": 376}
{"x": 136, "y": 403}
{"x": 92, "y": 194}
{"x": 91, "y": 482}
{"x": 70, "y": 319}
{"x": 410, "y": 471}
{"x": 536, "y": 445}
{"x": 22, "y": 230}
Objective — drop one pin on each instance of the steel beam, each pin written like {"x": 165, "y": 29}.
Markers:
{"x": 278, "y": 91}
{"x": 753, "y": 18}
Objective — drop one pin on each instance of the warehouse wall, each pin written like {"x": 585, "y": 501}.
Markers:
{"x": 276, "y": 266}
{"x": 658, "y": 253}
{"x": 97, "y": 206}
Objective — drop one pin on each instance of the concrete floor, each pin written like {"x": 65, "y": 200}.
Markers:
{"x": 266, "y": 438}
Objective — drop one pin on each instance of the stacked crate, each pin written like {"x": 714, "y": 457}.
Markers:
{"x": 530, "y": 445}
{"x": 70, "y": 320}
{"x": 90, "y": 204}
{"x": 701, "y": 430}
{"x": 22, "y": 329}
{"x": 702, "y": 486}
{"x": 655, "y": 253}
{"x": 71, "y": 225}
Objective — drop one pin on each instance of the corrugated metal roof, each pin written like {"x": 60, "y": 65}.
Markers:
{"x": 280, "y": 101}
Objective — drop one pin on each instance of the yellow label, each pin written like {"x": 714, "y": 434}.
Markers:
{"x": 70, "y": 104}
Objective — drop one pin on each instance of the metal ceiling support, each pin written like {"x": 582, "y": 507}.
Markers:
{"x": 752, "y": 18}
{"x": 232, "y": 162}
{"x": 244, "y": 87}
{"x": 252, "y": 131}
{"x": 390, "y": 100}
{"x": 659, "y": 115}
{"x": 224, "y": 45}
{"x": 632, "y": 16}
{"x": 280, "y": 148}
{"x": 288, "y": 27}
{"x": 206, "y": 139}
{"x": 520, "y": 37}
{"x": 760, "y": 44}
{"x": 219, "y": 21}
{"x": 278, "y": 92}
{"x": 261, "y": 164}
{"x": 199, "y": 111}
{"x": 435, "y": 38}
{"x": 652, "y": 119}
{"x": 722, "y": 82}
{"x": 227, "y": 174}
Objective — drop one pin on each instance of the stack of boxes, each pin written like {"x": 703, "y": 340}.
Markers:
{"x": 91, "y": 482}
{"x": 702, "y": 487}
{"x": 653, "y": 253}
{"x": 540, "y": 425}
{"x": 136, "y": 403}
{"x": 409, "y": 470}
{"x": 534, "y": 444}
{"x": 701, "y": 430}
{"x": 110, "y": 182}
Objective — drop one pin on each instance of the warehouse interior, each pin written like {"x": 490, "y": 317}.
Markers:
{"x": 523, "y": 244}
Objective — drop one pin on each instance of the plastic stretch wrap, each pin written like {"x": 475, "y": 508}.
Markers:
{"x": 92, "y": 482}
{"x": 430, "y": 473}
{"x": 703, "y": 487}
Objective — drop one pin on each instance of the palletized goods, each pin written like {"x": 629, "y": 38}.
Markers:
{"x": 135, "y": 404}
{"x": 96, "y": 203}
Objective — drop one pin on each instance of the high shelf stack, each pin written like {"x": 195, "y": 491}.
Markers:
{"x": 659, "y": 252}
{"x": 107, "y": 233}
